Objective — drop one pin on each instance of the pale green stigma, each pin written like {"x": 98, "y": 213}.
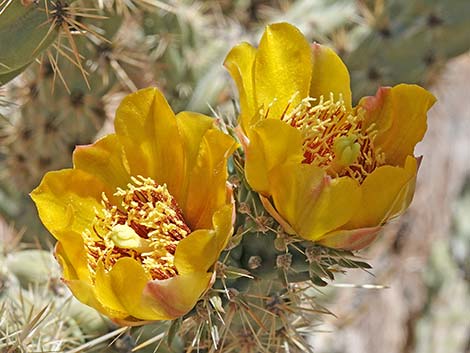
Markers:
{"x": 346, "y": 150}
{"x": 125, "y": 237}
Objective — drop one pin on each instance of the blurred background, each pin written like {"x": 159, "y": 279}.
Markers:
{"x": 64, "y": 67}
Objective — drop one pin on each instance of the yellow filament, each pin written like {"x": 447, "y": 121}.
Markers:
{"x": 336, "y": 138}
{"x": 145, "y": 224}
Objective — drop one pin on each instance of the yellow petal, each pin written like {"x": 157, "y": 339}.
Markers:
{"x": 268, "y": 206}
{"x": 239, "y": 62}
{"x": 223, "y": 221}
{"x": 147, "y": 128}
{"x": 201, "y": 249}
{"x": 192, "y": 128}
{"x": 66, "y": 200}
{"x": 84, "y": 292}
{"x": 272, "y": 142}
{"x": 104, "y": 292}
{"x": 386, "y": 193}
{"x": 68, "y": 269}
{"x": 352, "y": 240}
{"x": 116, "y": 290}
{"x": 329, "y": 75}
{"x": 283, "y": 69}
{"x": 399, "y": 114}
{"x": 179, "y": 294}
{"x": 104, "y": 160}
{"x": 71, "y": 254}
{"x": 310, "y": 201}
{"x": 405, "y": 196}
{"x": 197, "y": 252}
{"x": 207, "y": 190}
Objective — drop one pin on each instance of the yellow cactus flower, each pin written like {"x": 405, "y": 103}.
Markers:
{"x": 144, "y": 214}
{"x": 327, "y": 171}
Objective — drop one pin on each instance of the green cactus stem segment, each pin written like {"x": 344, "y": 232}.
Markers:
{"x": 147, "y": 226}
{"x": 336, "y": 138}
{"x": 23, "y": 37}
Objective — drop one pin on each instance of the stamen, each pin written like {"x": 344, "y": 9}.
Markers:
{"x": 336, "y": 138}
{"x": 146, "y": 226}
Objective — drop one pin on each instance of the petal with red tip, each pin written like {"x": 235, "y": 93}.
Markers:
{"x": 399, "y": 115}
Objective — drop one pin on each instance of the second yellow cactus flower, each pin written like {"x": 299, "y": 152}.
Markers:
{"x": 325, "y": 170}
{"x": 144, "y": 214}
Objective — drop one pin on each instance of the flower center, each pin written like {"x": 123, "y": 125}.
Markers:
{"x": 146, "y": 226}
{"x": 335, "y": 138}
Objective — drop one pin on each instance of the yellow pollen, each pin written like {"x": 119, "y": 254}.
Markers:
{"x": 144, "y": 222}
{"x": 336, "y": 138}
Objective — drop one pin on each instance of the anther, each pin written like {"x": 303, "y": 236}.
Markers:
{"x": 147, "y": 226}
{"x": 335, "y": 138}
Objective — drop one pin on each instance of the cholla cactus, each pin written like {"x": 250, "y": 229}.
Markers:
{"x": 151, "y": 203}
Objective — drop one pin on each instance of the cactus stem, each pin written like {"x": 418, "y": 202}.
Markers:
{"x": 66, "y": 18}
{"x": 244, "y": 208}
{"x": 264, "y": 224}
